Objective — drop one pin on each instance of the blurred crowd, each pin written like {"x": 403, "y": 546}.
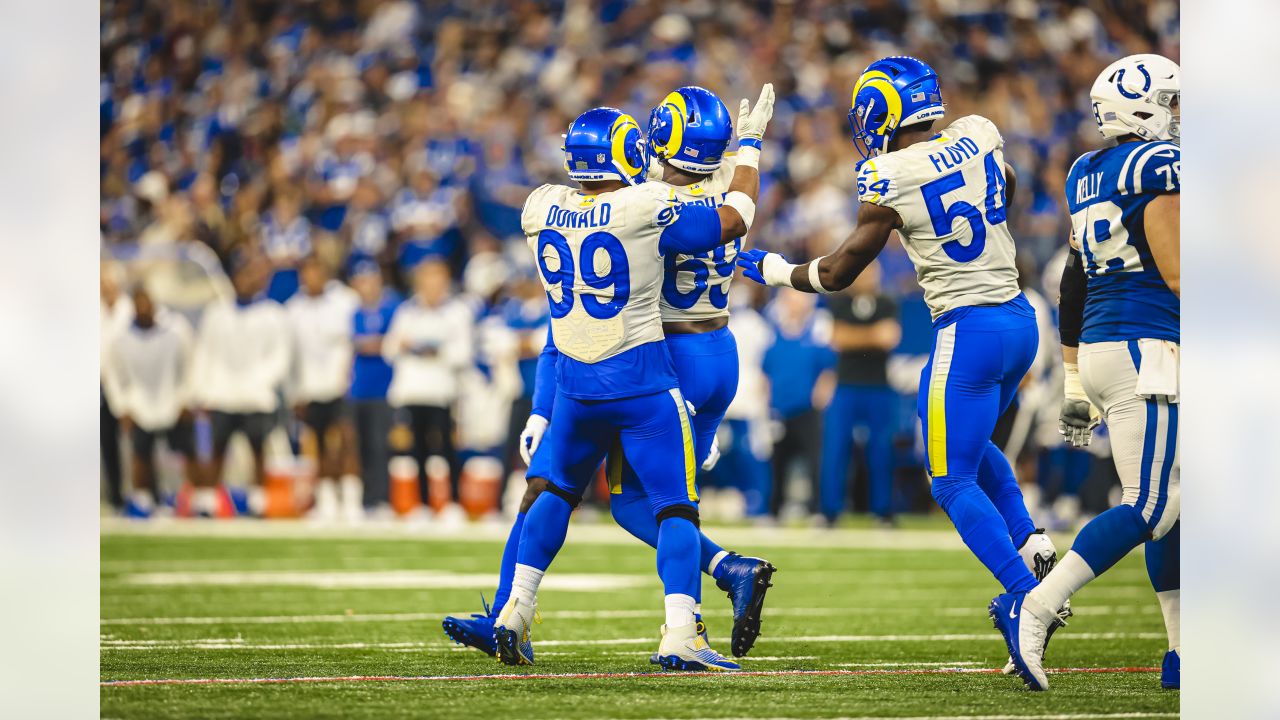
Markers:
{"x": 352, "y": 171}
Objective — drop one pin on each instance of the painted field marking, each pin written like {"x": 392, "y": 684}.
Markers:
{"x": 593, "y": 676}
{"x": 379, "y": 579}
{"x": 240, "y": 644}
{"x": 589, "y": 615}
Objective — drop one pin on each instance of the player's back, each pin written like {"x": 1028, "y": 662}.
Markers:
{"x": 1108, "y": 192}
{"x": 949, "y": 192}
{"x": 696, "y": 287}
{"x": 599, "y": 261}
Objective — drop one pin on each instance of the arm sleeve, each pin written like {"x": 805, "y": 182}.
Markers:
{"x": 695, "y": 229}
{"x": 1071, "y": 300}
{"x": 544, "y": 383}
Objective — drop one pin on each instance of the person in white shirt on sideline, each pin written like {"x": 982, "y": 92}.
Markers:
{"x": 242, "y": 357}
{"x": 147, "y": 367}
{"x": 115, "y": 311}
{"x": 428, "y": 345}
{"x": 320, "y": 315}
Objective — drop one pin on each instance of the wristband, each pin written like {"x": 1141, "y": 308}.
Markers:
{"x": 1072, "y": 388}
{"x": 814, "y": 278}
{"x": 748, "y": 153}
{"x": 743, "y": 203}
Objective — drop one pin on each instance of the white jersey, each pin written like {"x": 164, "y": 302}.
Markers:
{"x": 950, "y": 193}
{"x": 599, "y": 261}
{"x": 696, "y": 287}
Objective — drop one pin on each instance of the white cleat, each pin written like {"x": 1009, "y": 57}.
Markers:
{"x": 682, "y": 648}
{"x": 513, "y": 630}
{"x": 1040, "y": 556}
{"x": 1024, "y": 635}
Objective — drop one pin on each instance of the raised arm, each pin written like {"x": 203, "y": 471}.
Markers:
{"x": 833, "y": 272}
{"x": 697, "y": 228}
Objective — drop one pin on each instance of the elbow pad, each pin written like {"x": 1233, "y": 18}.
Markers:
{"x": 745, "y": 206}
{"x": 1071, "y": 300}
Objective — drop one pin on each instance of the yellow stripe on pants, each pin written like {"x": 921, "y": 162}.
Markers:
{"x": 943, "y": 351}
{"x": 686, "y": 431}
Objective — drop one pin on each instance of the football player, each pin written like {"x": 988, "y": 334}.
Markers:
{"x": 1120, "y": 318}
{"x": 687, "y": 137}
{"x": 945, "y": 192}
{"x": 600, "y": 251}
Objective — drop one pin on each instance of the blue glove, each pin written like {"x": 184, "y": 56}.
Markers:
{"x": 749, "y": 261}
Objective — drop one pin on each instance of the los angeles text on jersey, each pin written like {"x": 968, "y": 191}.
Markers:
{"x": 597, "y": 216}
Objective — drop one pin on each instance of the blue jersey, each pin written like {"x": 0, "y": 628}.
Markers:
{"x": 1107, "y": 193}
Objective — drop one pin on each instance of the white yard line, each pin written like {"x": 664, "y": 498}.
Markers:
{"x": 585, "y": 615}
{"x": 379, "y": 579}
{"x": 513, "y": 677}
{"x": 594, "y": 533}
{"x": 241, "y": 644}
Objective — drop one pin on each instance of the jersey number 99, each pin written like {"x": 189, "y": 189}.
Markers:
{"x": 944, "y": 216}
{"x": 617, "y": 278}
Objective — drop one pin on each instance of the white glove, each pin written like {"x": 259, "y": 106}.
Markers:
{"x": 753, "y": 121}
{"x": 713, "y": 457}
{"x": 531, "y": 436}
{"x": 1078, "y": 417}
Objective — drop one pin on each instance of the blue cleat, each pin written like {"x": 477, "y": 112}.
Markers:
{"x": 512, "y": 632}
{"x": 746, "y": 579}
{"x": 684, "y": 649}
{"x": 1171, "y": 671}
{"x": 1025, "y": 636}
{"x": 475, "y": 632}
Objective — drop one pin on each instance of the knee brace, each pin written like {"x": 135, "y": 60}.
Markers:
{"x": 565, "y": 495}
{"x": 679, "y": 510}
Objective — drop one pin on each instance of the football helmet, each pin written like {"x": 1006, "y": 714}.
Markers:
{"x": 892, "y": 92}
{"x": 1139, "y": 95}
{"x": 604, "y": 143}
{"x": 690, "y": 129}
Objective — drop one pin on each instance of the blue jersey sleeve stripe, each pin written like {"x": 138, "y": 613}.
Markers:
{"x": 1140, "y": 166}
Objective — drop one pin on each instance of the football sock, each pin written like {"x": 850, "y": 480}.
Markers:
{"x": 508, "y": 569}
{"x": 714, "y": 565}
{"x": 524, "y": 584}
{"x": 1100, "y": 544}
{"x": 1069, "y": 575}
{"x": 677, "y": 567}
{"x": 543, "y": 533}
{"x": 679, "y": 610}
{"x": 983, "y": 531}
{"x": 1162, "y": 568}
{"x": 998, "y": 482}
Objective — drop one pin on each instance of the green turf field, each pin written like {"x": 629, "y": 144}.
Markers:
{"x": 896, "y": 619}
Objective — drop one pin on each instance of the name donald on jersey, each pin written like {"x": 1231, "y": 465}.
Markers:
{"x": 597, "y": 216}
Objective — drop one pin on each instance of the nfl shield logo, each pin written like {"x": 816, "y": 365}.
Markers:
{"x": 600, "y": 158}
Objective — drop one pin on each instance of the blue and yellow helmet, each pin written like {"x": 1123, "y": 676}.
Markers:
{"x": 892, "y": 92}
{"x": 690, "y": 129}
{"x": 605, "y": 143}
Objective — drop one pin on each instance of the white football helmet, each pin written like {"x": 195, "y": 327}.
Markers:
{"x": 1139, "y": 95}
